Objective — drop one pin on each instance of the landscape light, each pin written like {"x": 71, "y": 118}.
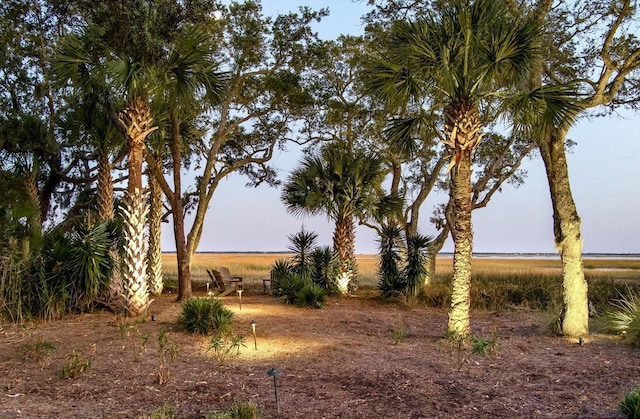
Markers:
{"x": 253, "y": 327}
{"x": 240, "y": 297}
{"x": 274, "y": 372}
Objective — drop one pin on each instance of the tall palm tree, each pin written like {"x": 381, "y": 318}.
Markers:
{"x": 345, "y": 186}
{"x": 467, "y": 56}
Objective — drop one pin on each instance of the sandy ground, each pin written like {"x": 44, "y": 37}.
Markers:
{"x": 340, "y": 362}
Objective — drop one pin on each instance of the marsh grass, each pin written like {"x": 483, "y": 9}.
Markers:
{"x": 498, "y": 283}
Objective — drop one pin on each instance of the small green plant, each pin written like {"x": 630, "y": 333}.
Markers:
{"x": 76, "y": 363}
{"x": 39, "y": 350}
{"x": 238, "y": 411}
{"x": 630, "y": 405}
{"x": 224, "y": 345}
{"x": 312, "y": 296}
{"x": 205, "y": 316}
{"x": 168, "y": 352}
{"x": 624, "y": 319}
{"x": 136, "y": 340}
{"x": 399, "y": 333}
{"x": 165, "y": 412}
{"x": 458, "y": 345}
{"x": 485, "y": 346}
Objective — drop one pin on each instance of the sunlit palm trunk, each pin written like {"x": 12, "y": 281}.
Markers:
{"x": 462, "y": 130}
{"x": 344, "y": 245}
{"x": 137, "y": 120}
{"x": 566, "y": 225}
{"x": 463, "y": 242}
{"x": 154, "y": 254}
{"x": 136, "y": 291}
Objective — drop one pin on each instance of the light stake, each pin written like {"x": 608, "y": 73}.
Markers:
{"x": 253, "y": 327}
{"x": 240, "y": 297}
{"x": 274, "y": 372}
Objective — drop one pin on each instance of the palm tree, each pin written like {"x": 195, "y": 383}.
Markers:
{"x": 345, "y": 186}
{"x": 468, "y": 56}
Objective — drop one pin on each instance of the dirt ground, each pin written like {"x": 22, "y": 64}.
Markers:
{"x": 340, "y": 362}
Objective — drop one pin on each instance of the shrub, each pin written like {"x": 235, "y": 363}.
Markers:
{"x": 326, "y": 268}
{"x": 224, "y": 345}
{"x": 205, "y": 316}
{"x": 76, "y": 364}
{"x": 312, "y": 296}
{"x": 624, "y": 319}
{"x": 287, "y": 287}
{"x": 485, "y": 346}
{"x": 630, "y": 405}
{"x": 238, "y": 411}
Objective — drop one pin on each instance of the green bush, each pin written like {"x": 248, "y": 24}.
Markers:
{"x": 624, "y": 318}
{"x": 205, "y": 315}
{"x": 287, "y": 287}
{"x": 630, "y": 405}
{"x": 312, "y": 296}
{"x": 238, "y": 411}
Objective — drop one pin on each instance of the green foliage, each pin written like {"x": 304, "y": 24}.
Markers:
{"x": 302, "y": 245}
{"x": 205, "y": 315}
{"x": 485, "y": 345}
{"x": 391, "y": 280}
{"x": 399, "y": 333}
{"x": 67, "y": 272}
{"x": 287, "y": 288}
{"x": 225, "y": 344}
{"x": 167, "y": 411}
{"x": 326, "y": 267}
{"x": 238, "y": 411}
{"x": 168, "y": 352}
{"x": 75, "y": 364}
{"x": 624, "y": 318}
{"x": 313, "y": 296}
{"x": 630, "y": 405}
{"x": 398, "y": 275}
{"x": 39, "y": 350}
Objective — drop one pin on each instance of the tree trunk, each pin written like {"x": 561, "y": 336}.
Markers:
{"x": 566, "y": 227}
{"x": 105, "y": 189}
{"x": 432, "y": 252}
{"x": 463, "y": 242}
{"x": 344, "y": 242}
{"x": 154, "y": 254}
{"x": 177, "y": 209}
{"x": 135, "y": 278}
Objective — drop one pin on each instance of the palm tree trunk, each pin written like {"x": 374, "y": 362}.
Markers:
{"x": 154, "y": 254}
{"x": 463, "y": 243}
{"x": 105, "y": 189}
{"x": 344, "y": 245}
{"x": 344, "y": 241}
{"x": 566, "y": 227}
{"x": 135, "y": 278}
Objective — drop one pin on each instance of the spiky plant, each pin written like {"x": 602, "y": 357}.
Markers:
{"x": 302, "y": 245}
{"x": 391, "y": 279}
{"x": 624, "y": 318}
{"x": 326, "y": 267}
{"x": 136, "y": 290}
{"x": 415, "y": 269}
{"x": 205, "y": 316}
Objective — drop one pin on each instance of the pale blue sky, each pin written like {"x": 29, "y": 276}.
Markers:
{"x": 604, "y": 172}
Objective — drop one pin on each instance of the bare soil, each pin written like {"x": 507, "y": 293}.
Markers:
{"x": 340, "y": 362}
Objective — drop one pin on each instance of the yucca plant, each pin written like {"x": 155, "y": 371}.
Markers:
{"x": 630, "y": 405}
{"x": 205, "y": 316}
{"x": 624, "y": 318}
{"x": 312, "y": 296}
{"x": 326, "y": 267}
{"x": 391, "y": 280}
{"x": 302, "y": 245}
{"x": 415, "y": 270}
